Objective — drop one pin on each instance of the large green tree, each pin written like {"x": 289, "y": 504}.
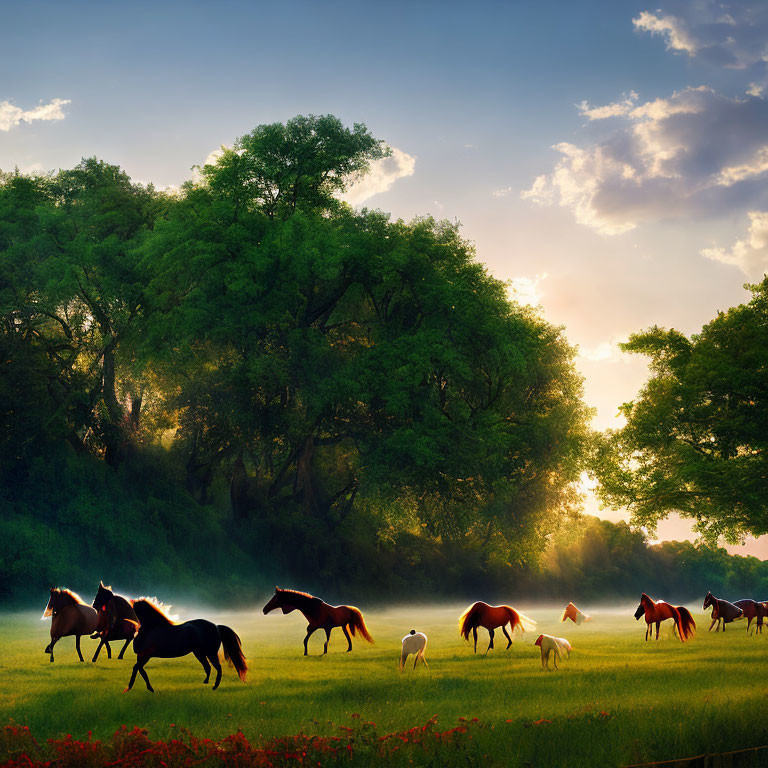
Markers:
{"x": 696, "y": 438}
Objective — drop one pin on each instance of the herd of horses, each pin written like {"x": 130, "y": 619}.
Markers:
{"x": 155, "y": 634}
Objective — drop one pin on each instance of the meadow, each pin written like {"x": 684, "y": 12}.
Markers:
{"x": 618, "y": 701}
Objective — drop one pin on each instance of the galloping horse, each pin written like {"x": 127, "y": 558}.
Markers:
{"x": 753, "y": 609}
{"x": 656, "y": 611}
{"x": 491, "y": 617}
{"x": 722, "y": 610}
{"x": 320, "y": 615}
{"x": 69, "y": 616}
{"x": 575, "y": 615}
{"x": 159, "y": 636}
{"x": 117, "y": 620}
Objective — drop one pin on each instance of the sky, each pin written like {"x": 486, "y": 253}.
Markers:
{"x": 608, "y": 158}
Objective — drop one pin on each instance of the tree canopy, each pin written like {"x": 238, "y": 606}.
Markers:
{"x": 696, "y": 438}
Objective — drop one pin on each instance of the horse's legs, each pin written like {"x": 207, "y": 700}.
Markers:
{"x": 490, "y": 645}
{"x": 474, "y": 634}
{"x": 77, "y": 647}
{"x": 556, "y": 656}
{"x": 143, "y": 673}
{"x": 749, "y": 621}
{"x": 139, "y": 667}
{"x": 349, "y": 639}
{"x": 127, "y": 643}
{"x": 98, "y": 650}
{"x": 214, "y": 659}
{"x": 658, "y": 624}
{"x": 310, "y": 630}
{"x": 712, "y": 624}
{"x": 542, "y": 659}
{"x": 421, "y": 656}
{"x": 49, "y": 649}
{"x": 327, "y": 639}
{"x": 509, "y": 639}
{"x": 206, "y": 666}
{"x": 647, "y": 629}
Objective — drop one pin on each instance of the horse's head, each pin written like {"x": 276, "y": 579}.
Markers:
{"x": 641, "y": 608}
{"x": 538, "y": 640}
{"x": 570, "y": 612}
{"x": 51, "y": 607}
{"x": 106, "y": 617}
{"x": 279, "y": 600}
{"x": 103, "y": 596}
{"x": 708, "y": 600}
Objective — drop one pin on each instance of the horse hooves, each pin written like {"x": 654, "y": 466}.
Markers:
{"x": 125, "y": 690}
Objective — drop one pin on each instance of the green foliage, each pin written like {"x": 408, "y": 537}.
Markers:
{"x": 696, "y": 439}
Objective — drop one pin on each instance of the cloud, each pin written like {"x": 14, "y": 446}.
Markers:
{"x": 727, "y": 34}
{"x": 381, "y": 176}
{"x": 605, "y": 352}
{"x": 696, "y": 152}
{"x": 503, "y": 192}
{"x": 750, "y": 255}
{"x": 11, "y": 115}
{"x": 525, "y": 290}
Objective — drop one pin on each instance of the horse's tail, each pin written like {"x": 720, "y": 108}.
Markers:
{"x": 233, "y": 650}
{"x": 467, "y": 620}
{"x": 687, "y": 626}
{"x": 357, "y": 623}
{"x": 517, "y": 619}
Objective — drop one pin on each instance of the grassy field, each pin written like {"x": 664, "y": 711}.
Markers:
{"x": 619, "y": 700}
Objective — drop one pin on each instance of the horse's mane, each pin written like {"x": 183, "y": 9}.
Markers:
{"x": 159, "y": 609}
{"x": 64, "y": 591}
{"x": 296, "y": 593}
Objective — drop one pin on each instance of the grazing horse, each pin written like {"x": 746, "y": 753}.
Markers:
{"x": 69, "y": 616}
{"x": 552, "y": 645}
{"x": 656, "y": 611}
{"x": 161, "y": 637}
{"x": 722, "y": 610}
{"x": 320, "y": 615}
{"x": 416, "y": 643}
{"x": 753, "y": 609}
{"x": 117, "y": 620}
{"x": 575, "y": 615}
{"x": 491, "y": 617}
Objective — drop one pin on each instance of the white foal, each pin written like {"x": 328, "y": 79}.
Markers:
{"x": 416, "y": 643}
{"x": 555, "y": 645}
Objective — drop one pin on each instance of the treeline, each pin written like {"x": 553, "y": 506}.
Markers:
{"x": 247, "y": 380}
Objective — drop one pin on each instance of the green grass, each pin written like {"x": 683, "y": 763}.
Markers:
{"x": 618, "y": 700}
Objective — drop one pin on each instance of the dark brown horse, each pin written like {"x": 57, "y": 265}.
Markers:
{"x": 752, "y": 609}
{"x": 161, "y": 637}
{"x": 69, "y": 616}
{"x": 656, "y": 611}
{"x": 320, "y": 615}
{"x": 722, "y": 610}
{"x": 492, "y": 617}
{"x": 117, "y": 620}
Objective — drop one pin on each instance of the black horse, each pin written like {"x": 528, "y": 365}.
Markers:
{"x": 117, "y": 620}
{"x": 161, "y": 637}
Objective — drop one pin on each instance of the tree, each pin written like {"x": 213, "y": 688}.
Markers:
{"x": 696, "y": 438}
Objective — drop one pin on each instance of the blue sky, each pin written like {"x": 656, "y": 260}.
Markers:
{"x": 608, "y": 158}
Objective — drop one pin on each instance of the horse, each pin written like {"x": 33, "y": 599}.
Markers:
{"x": 722, "y": 610}
{"x": 117, "y": 620}
{"x": 752, "y": 609}
{"x": 491, "y": 617}
{"x": 320, "y": 615}
{"x": 656, "y": 611}
{"x": 575, "y": 615}
{"x": 69, "y": 616}
{"x": 416, "y": 643}
{"x": 161, "y": 637}
{"x": 552, "y": 645}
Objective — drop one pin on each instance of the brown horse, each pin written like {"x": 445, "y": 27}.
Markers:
{"x": 117, "y": 620}
{"x": 69, "y": 616}
{"x": 656, "y": 611}
{"x": 753, "y": 609}
{"x": 491, "y": 617}
{"x": 722, "y": 610}
{"x": 320, "y": 615}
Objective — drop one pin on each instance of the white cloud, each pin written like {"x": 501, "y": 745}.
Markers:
{"x": 605, "y": 352}
{"x": 11, "y": 115}
{"x": 750, "y": 255}
{"x": 381, "y": 176}
{"x": 502, "y": 192}
{"x": 525, "y": 290}
{"x": 728, "y": 34}
{"x": 696, "y": 152}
